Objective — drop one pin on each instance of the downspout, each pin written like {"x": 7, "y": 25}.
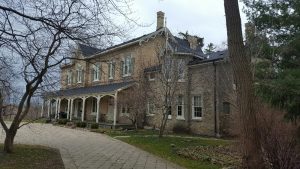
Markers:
{"x": 217, "y": 134}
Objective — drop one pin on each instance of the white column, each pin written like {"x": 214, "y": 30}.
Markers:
{"x": 83, "y": 109}
{"x": 49, "y": 107}
{"x": 59, "y": 104}
{"x": 71, "y": 107}
{"x": 68, "y": 109}
{"x": 42, "y": 112}
{"x": 115, "y": 109}
{"x": 56, "y": 108}
{"x": 98, "y": 109}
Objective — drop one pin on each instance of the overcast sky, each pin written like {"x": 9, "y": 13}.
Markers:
{"x": 205, "y": 18}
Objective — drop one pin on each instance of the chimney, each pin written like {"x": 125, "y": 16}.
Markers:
{"x": 193, "y": 41}
{"x": 160, "y": 20}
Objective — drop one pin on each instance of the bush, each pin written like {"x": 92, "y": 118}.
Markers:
{"x": 94, "y": 126}
{"x": 48, "y": 121}
{"x": 181, "y": 129}
{"x": 63, "y": 121}
{"x": 81, "y": 124}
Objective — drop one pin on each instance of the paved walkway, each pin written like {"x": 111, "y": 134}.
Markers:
{"x": 83, "y": 149}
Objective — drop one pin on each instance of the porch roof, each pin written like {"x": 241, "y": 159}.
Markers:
{"x": 107, "y": 88}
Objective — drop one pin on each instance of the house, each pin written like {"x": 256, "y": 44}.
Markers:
{"x": 94, "y": 84}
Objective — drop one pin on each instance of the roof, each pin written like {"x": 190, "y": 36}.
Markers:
{"x": 214, "y": 56}
{"x": 92, "y": 89}
{"x": 87, "y": 50}
{"x": 181, "y": 45}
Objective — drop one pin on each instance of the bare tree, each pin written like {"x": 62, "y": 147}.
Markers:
{"x": 36, "y": 33}
{"x": 169, "y": 70}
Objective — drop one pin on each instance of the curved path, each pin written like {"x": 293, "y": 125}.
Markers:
{"x": 84, "y": 149}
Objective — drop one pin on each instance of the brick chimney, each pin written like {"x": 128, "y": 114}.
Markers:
{"x": 193, "y": 41}
{"x": 160, "y": 20}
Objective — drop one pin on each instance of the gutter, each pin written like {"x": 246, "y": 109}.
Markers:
{"x": 217, "y": 134}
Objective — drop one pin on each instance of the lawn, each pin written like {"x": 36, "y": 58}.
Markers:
{"x": 189, "y": 152}
{"x": 31, "y": 157}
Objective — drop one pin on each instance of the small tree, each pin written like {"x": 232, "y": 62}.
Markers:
{"x": 37, "y": 35}
{"x": 210, "y": 48}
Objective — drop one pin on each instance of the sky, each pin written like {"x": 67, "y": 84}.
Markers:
{"x": 205, "y": 18}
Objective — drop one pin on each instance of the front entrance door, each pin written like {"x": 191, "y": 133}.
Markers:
{"x": 78, "y": 108}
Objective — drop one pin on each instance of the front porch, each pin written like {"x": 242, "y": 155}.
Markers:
{"x": 98, "y": 107}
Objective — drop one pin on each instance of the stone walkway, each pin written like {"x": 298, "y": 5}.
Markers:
{"x": 83, "y": 149}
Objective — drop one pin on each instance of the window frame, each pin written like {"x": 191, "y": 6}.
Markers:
{"x": 79, "y": 74}
{"x": 149, "y": 76}
{"x": 96, "y": 72}
{"x": 69, "y": 77}
{"x": 127, "y": 66}
{"x": 150, "y": 113}
{"x": 200, "y": 106}
{"x": 94, "y": 105}
{"x": 181, "y": 73}
{"x": 111, "y": 70}
{"x": 181, "y": 117}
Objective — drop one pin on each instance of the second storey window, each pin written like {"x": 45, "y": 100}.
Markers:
{"x": 111, "y": 70}
{"x": 180, "y": 66}
{"x": 96, "y": 72}
{"x": 79, "y": 74}
{"x": 127, "y": 66}
{"x": 69, "y": 77}
{"x": 197, "y": 107}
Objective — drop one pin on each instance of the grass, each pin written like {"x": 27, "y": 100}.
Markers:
{"x": 31, "y": 157}
{"x": 167, "y": 146}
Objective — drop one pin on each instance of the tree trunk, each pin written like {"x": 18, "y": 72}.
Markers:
{"x": 241, "y": 65}
{"x": 9, "y": 141}
{"x": 163, "y": 125}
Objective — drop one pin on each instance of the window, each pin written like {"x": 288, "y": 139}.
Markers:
{"x": 94, "y": 105}
{"x": 197, "y": 107}
{"x": 69, "y": 77}
{"x": 226, "y": 107}
{"x": 96, "y": 72}
{"x": 180, "y": 67}
{"x": 79, "y": 74}
{"x": 127, "y": 66}
{"x": 169, "y": 108}
{"x": 180, "y": 107}
{"x": 168, "y": 68}
{"x": 125, "y": 109}
{"x": 150, "y": 108}
{"x": 111, "y": 70}
{"x": 152, "y": 76}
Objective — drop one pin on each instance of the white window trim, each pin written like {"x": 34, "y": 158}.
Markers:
{"x": 110, "y": 70}
{"x": 182, "y": 115}
{"x": 193, "y": 110}
{"x": 79, "y": 74}
{"x": 128, "y": 73}
{"x": 96, "y": 70}
{"x": 69, "y": 78}
{"x": 148, "y": 109}
{"x": 149, "y": 77}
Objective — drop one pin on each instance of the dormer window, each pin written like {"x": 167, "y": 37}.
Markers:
{"x": 127, "y": 66}
{"x": 96, "y": 72}
{"x": 79, "y": 73}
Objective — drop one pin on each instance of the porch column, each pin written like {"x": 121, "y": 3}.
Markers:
{"x": 71, "y": 107}
{"x": 98, "y": 109}
{"x": 49, "y": 105}
{"x": 68, "y": 109}
{"x": 42, "y": 112}
{"x": 83, "y": 107}
{"x": 115, "y": 110}
{"x": 59, "y": 104}
{"x": 56, "y": 108}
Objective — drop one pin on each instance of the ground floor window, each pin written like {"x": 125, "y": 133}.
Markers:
{"x": 226, "y": 107}
{"x": 94, "y": 105}
{"x": 150, "y": 108}
{"x": 197, "y": 107}
{"x": 180, "y": 106}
